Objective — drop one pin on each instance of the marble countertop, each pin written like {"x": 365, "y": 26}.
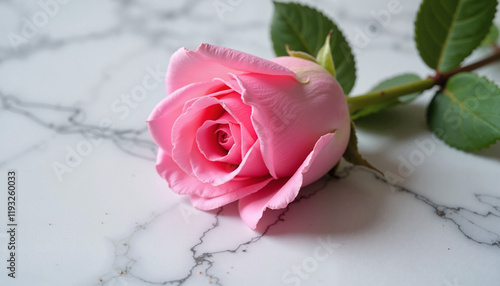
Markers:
{"x": 91, "y": 209}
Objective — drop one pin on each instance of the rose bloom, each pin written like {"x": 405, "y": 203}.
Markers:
{"x": 236, "y": 127}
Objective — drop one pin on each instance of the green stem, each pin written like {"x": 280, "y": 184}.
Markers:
{"x": 375, "y": 97}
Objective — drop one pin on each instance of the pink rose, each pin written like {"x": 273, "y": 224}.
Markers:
{"x": 236, "y": 127}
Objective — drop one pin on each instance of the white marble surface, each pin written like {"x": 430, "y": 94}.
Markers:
{"x": 109, "y": 219}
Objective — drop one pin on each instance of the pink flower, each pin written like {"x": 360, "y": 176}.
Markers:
{"x": 236, "y": 127}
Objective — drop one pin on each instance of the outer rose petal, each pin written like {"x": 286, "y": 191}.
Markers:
{"x": 209, "y": 62}
{"x": 210, "y": 203}
{"x": 290, "y": 116}
{"x": 279, "y": 193}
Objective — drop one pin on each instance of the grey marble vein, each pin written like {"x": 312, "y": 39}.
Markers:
{"x": 130, "y": 141}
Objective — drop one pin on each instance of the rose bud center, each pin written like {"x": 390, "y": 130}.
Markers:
{"x": 225, "y": 139}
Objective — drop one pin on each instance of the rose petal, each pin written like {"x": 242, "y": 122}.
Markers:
{"x": 185, "y": 127}
{"x": 253, "y": 206}
{"x": 218, "y": 173}
{"x": 210, "y": 203}
{"x": 184, "y": 184}
{"x": 279, "y": 193}
{"x": 209, "y": 145}
{"x": 253, "y": 164}
{"x": 242, "y": 113}
{"x": 225, "y": 135}
{"x": 161, "y": 120}
{"x": 208, "y": 141}
{"x": 189, "y": 158}
{"x": 209, "y": 62}
{"x": 287, "y": 127}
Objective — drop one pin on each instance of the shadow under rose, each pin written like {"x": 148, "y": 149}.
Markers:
{"x": 347, "y": 204}
{"x": 398, "y": 123}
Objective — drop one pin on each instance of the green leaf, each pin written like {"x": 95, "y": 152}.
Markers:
{"x": 352, "y": 155}
{"x": 492, "y": 36}
{"x": 392, "y": 82}
{"x": 466, "y": 113}
{"x": 305, "y": 29}
{"x": 447, "y": 31}
{"x": 324, "y": 56}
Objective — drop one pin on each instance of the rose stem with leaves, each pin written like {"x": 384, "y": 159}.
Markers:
{"x": 375, "y": 97}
